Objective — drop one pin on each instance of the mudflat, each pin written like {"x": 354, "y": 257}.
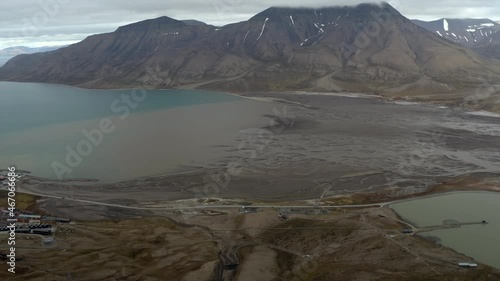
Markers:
{"x": 297, "y": 147}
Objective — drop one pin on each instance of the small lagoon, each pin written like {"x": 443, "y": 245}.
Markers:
{"x": 480, "y": 242}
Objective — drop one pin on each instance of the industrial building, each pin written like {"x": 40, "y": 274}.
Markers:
{"x": 30, "y": 219}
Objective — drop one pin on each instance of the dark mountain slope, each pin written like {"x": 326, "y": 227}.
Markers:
{"x": 193, "y": 22}
{"x": 367, "y": 47}
{"x": 468, "y": 32}
{"x": 490, "y": 47}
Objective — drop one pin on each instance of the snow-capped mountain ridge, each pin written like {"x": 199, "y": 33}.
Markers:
{"x": 463, "y": 31}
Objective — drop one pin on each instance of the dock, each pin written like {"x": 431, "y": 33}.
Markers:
{"x": 447, "y": 224}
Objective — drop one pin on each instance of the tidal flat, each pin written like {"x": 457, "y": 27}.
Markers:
{"x": 295, "y": 147}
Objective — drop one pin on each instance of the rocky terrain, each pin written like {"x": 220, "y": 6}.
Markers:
{"x": 8, "y": 53}
{"x": 481, "y": 35}
{"x": 468, "y": 32}
{"x": 223, "y": 245}
{"x": 491, "y": 47}
{"x": 363, "y": 48}
{"x": 14, "y": 51}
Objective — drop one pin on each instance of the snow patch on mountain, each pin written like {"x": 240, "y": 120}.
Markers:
{"x": 245, "y": 39}
{"x": 262, "y": 31}
{"x": 446, "y": 26}
{"x": 318, "y": 27}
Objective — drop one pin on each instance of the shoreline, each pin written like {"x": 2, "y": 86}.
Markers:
{"x": 447, "y": 239}
{"x": 348, "y": 94}
{"x": 326, "y": 202}
{"x": 206, "y": 206}
{"x": 200, "y": 203}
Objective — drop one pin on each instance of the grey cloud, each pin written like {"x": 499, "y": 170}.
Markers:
{"x": 67, "y": 20}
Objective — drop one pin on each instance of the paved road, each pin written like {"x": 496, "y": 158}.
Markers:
{"x": 97, "y": 203}
{"x": 20, "y": 190}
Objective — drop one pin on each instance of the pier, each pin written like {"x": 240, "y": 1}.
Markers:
{"x": 448, "y": 224}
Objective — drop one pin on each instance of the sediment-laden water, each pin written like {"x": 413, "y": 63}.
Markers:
{"x": 477, "y": 241}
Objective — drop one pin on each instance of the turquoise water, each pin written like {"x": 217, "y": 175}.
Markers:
{"x": 477, "y": 241}
{"x": 30, "y": 105}
{"x": 154, "y": 132}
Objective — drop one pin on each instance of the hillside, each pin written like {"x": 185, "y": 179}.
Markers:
{"x": 8, "y": 53}
{"x": 468, "y": 32}
{"x": 481, "y": 35}
{"x": 361, "y": 48}
{"x": 14, "y": 51}
{"x": 490, "y": 47}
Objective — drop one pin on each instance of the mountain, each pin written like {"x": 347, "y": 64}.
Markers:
{"x": 8, "y": 53}
{"x": 463, "y": 31}
{"x": 193, "y": 22}
{"x": 481, "y": 35}
{"x": 368, "y": 47}
{"x": 3, "y": 60}
{"x": 490, "y": 47}
{"x": 14, "y": 51}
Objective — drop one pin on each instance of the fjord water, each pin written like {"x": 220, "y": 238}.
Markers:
{"x": 171, "y": 131}
{"x": 156, "y": 135}
{"x": 477, "y": 241}
{"x": 29, "y": 105}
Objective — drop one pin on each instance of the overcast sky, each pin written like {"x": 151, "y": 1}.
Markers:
{"x": 36, "y": 23}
